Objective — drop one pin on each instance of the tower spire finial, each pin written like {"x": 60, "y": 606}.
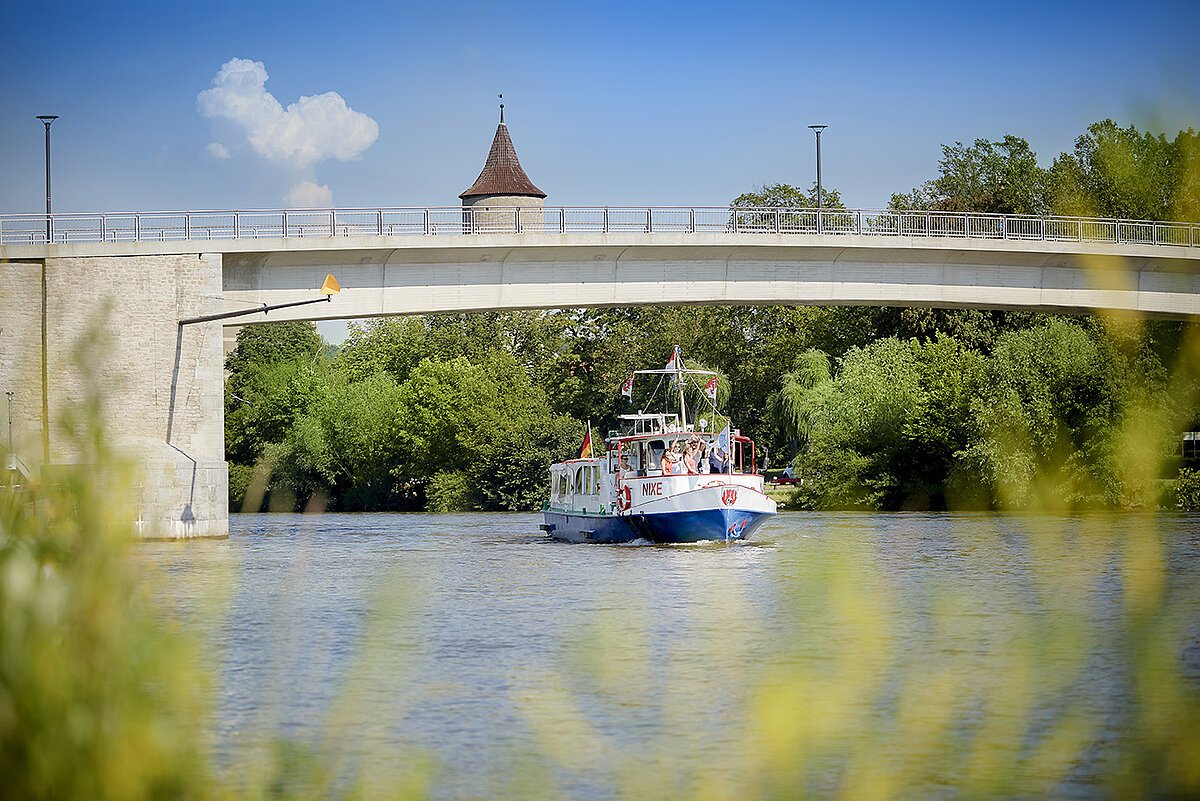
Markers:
{"x": 501, "y": 96}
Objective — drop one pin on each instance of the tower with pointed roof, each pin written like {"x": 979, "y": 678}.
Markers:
{"x": 503, "y": 199}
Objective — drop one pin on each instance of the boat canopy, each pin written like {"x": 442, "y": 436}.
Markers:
{"x": 650, "y": 423}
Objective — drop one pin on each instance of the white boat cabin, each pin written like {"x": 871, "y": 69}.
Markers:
{"x": 590, "y": 486}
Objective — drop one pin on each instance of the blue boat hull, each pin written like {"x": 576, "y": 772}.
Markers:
{"x": 663, "y": 527}
{"x": 587, "y": 528}
{"x": 697, "y": 526}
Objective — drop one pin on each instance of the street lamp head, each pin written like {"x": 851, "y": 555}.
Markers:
{"x": 818, "y": 128}
{"x": 47, "y": 119}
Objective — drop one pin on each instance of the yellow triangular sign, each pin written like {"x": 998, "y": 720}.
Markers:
{"x": 331, "y": 286}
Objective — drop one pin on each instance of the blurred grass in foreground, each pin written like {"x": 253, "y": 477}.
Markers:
{"x": 103, "y": 696}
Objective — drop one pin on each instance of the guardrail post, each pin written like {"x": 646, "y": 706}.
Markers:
{"x": 605, "y": 220}
{"x": 379, "y": 222}
{"x": 103, "y": 229}
{"x": 332, "y": 223}
{"x": 137, "y": 228}
{"x": 562, "y": 221}
{"x": 858, "y": 222}
{"x": 776, "y": 220}
{"x": 237, "y": 225}
{"x": 283, "y": 218}
{"x": 187, "y": 226}
{"x": 649, "y": 221}
{"x": 691, "y": 221}
{"x": 426, "y": 216}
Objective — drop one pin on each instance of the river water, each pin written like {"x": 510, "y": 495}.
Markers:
{"x": 922, "y": 655}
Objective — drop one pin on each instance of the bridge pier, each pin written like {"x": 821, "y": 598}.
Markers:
{"x": 161, "y": 386}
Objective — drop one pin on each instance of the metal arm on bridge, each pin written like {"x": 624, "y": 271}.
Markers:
{"x": 328, "y": 290}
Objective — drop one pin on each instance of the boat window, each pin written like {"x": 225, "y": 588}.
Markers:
{"x": 595, "y": 480}
{"x": 578, "y": 484}
{"x": 656, "y": 451}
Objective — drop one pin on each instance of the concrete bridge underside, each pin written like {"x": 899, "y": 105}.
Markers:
{"x": 164, "y": 383}
{"x": 478, "y": 273}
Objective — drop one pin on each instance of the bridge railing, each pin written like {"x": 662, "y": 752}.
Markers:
{"x": 175, "y": 226}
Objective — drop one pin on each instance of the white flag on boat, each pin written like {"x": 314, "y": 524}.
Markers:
{"x": 710, "y": 389}
{"x": 676, "y": 359}
{"x": 675, "y": 364}
{"x": 627, "y": 388}
{"x": 723, "y": 439}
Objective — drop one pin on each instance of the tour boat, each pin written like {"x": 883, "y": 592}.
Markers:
{"x": 625, "y": 494}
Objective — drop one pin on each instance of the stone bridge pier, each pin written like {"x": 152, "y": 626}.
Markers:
{"x": 161, "y": 385}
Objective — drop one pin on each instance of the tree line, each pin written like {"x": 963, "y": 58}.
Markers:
{"x": 878, "y": 408}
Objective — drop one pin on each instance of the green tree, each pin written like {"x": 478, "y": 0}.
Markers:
{"x": 485, "y": 424}
{"x": 1059, "y": 414}
{"x": 272, "y": 373}
{"x": 344, "y": 446}
{"x": 262, "y": 403}
{"x": 884, "y": 432}
{"x": 1128, "y": 173}
{"x": 392, "y": 345}
{"x": 1001, "y": 177}
{"x": 781, "y": 195}
{"x": 272, "y": 343}
{"x": 801, "y": 396}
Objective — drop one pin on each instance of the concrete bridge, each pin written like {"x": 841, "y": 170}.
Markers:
{"x": 136, "y": 275}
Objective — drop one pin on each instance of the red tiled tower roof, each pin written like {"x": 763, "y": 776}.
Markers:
{"x": 502, "y": 173}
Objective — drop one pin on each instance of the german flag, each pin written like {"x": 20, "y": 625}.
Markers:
{"x": 585, "y": 451}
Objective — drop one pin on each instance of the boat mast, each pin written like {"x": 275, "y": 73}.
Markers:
{"x": 679, "y": 383}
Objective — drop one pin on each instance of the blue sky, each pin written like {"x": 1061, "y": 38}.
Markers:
{"x": 608, "y": 103}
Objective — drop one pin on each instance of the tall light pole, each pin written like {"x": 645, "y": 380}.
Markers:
{"x": 47, "y": 120}
{"x": 11, "y": 461}
{"x": 820, "y": 194}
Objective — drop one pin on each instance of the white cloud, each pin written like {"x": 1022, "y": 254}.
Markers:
{"x": 217, "y": 150}
{"x": 311, "y": 130}
{"x": 309, "y": 195}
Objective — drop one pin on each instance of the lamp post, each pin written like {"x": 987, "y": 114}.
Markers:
{"x": 11, "y": 460}
{"x": 47, "y": 120}
{"x": 820, "y": 193}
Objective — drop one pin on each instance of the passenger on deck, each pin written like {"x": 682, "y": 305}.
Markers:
{"x": 690, "y": 452}
{"x": 716, "y": 460}
{"x": 670, "y": 460}
{"x": 702, "y": 458}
